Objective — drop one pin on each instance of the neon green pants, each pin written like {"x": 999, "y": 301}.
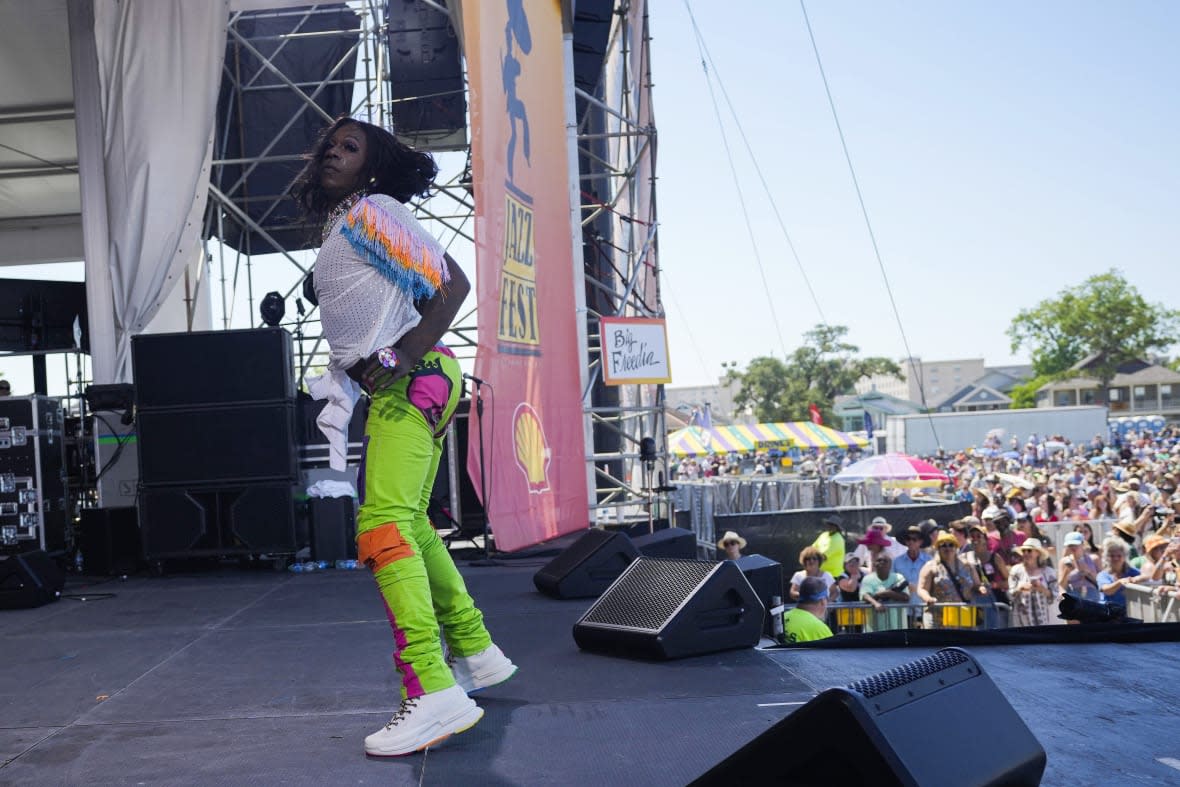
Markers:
{"x": 395, "y": 539}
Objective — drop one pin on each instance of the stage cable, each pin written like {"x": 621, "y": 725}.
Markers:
{"x": 707, "y": 56}
{"x": 868, "y": 224}
{"x": 737, "y": 184}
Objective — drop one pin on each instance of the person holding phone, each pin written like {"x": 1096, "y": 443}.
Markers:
{"x": 1032, "y": 586}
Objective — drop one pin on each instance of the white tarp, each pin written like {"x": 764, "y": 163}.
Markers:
{"x": 146, "y": 78}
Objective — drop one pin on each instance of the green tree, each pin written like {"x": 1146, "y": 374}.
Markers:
{"x": 1104, "y": 317}
{"x": 815, "y": 373}
{"x": 1025, "y": 395}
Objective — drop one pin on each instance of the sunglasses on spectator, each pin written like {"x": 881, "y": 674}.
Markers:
{"x": 811, "y": 560}
{"x": 947, "y": 546}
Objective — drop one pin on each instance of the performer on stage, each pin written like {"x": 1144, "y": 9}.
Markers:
{"x": 387, "y": 293}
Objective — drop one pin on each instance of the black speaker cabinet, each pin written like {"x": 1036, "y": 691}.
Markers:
{"x": 109, "y": 541}
{"x": 766, "y": 577}
{"x": 232, "y": 444}
{"x": 203, "y": 368}
{"x": 178, "y": 522}
{"x": 671, "y": 542}
{"x": 668, "y": 609}
{"x": 877, "y": 717}
{"x": 588, "y": 566}
{"x": 29, "y": 579}
{"x": 333, "y": 528}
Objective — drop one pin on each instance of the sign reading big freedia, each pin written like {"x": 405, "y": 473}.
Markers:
{"x": 534, "y": 449}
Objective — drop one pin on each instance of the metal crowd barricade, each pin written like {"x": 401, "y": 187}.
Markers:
{"x": 855, "y": 617}
{"x": 744, "y": 495}
{"x": 1150, "y": 606}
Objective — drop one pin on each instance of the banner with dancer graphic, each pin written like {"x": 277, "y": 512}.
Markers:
{"x": 534, "y": 449}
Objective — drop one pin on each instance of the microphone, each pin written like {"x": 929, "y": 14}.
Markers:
{"x": 473, "y": 379}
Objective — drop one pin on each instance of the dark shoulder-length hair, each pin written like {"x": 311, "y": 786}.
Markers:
{"x": 391, "y": 167}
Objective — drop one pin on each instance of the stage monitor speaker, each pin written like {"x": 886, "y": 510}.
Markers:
{"x": 29, "y": 579}
{"x": 766, "y": 577}
{"x": 879, "y": 719}
{"x": 671, "y": 543}
{"x": 108, "y": 539}
{"x": 588, "y": 566}
{"x": 205, "y": 368}
{"x": 668, "y": 609}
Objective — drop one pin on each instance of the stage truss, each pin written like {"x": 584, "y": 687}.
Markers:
{"x": 616, "y": 148}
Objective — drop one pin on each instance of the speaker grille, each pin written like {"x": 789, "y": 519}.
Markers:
{"x": 662, "y": 584}
{"x": 908, "y": 673}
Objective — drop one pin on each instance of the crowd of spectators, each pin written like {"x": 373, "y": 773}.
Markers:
{"x": 1001, "y": 557}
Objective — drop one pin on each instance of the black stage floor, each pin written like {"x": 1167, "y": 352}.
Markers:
{"x": 243, "y": 677}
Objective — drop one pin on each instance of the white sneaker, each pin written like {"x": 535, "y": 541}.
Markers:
{"x": 487, "y": 668}
{"x": 424, "y": 721}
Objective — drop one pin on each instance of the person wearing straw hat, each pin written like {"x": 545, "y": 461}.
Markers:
{"x": 1159, "y": 565}
{"x": 879, "y": 529}
{"x": 732, "y": 545}
{"x": 945, "y": 580}
{"x": 1127, "y": 530}
{"x": 1032, "y": 586}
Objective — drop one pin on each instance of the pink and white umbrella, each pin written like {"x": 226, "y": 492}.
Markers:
{"x": 890, "y": 467}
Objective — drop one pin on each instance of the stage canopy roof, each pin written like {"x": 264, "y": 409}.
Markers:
{"x": 696, "y": 441}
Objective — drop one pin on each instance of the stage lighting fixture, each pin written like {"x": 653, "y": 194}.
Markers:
{"x": 272, "y": 309}
{"x": 647, "y": 449}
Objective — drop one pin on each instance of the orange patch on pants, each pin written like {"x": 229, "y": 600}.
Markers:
{"x": 382, "y": 545}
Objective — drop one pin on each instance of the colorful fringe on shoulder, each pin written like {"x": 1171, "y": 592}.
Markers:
{"x": 402, "y": 253}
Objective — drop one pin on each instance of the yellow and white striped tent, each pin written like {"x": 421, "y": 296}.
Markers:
{"x": 698, "y": 441}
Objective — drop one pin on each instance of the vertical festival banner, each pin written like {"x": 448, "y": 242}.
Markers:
{"x": 534, "y": 451}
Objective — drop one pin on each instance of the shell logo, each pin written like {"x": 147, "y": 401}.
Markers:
{"x": 532, "y": 449}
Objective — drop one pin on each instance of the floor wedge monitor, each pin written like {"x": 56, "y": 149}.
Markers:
{"x": 588, "y": 566}
{"x": 671, "y": 542}
{"x": 875, "y": 719}
{"x": 29, "y": 579}
{"x": 668, "y": 609}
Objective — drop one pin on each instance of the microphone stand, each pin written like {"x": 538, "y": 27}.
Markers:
{"x": 483, "y": 484}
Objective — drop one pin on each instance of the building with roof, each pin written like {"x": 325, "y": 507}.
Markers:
{"x": 1138, "y": 387}
{"x": 988, "y": 392}
{"x": 849, "y": 411}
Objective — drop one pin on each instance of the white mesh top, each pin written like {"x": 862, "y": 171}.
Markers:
{"x": 375, "y": 261}
{"x": 363, "y": 309}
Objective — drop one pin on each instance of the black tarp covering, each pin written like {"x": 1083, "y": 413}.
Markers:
{"x": 253, "y": 117}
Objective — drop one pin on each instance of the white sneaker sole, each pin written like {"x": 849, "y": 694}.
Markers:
{"x": 494, "y": 679}
{"x": 442, "y": 730}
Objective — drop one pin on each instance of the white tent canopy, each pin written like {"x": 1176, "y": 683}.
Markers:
{"x": 107, "y": 111}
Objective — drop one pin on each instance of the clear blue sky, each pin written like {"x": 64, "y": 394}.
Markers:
{"x": 1005, "y": 150}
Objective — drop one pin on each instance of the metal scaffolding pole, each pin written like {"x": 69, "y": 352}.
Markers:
{"x": 620, "y": 194}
